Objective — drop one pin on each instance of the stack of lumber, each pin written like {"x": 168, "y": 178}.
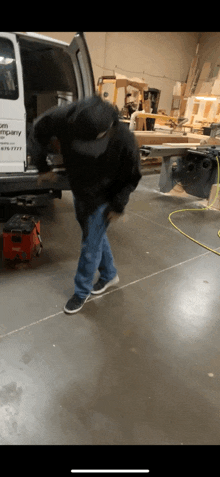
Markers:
{"x": 179, "y": 101}
{"x": 205, "y": 85}
{"x": 198, "y": 83}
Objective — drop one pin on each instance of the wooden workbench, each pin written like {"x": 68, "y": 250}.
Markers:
{"x": 152, "y": 137}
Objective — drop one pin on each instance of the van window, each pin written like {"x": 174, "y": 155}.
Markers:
{"x": 8, "y": 73}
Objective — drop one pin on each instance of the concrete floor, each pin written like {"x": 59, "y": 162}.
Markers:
{"x": 139, "y": 365}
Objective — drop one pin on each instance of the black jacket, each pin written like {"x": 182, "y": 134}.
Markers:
{"x": 110, "y": 178}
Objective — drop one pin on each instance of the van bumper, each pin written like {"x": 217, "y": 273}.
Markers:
{"x": 22, "y": 188}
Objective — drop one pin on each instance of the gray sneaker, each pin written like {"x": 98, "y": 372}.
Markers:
{"x": 75, "y": 304}
{"x": 102, "y": 285}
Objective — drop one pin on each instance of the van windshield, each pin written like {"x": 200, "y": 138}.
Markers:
{"x": 8, "y": 73}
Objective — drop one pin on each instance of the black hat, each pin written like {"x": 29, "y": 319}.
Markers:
{"x": 91, "y": 126}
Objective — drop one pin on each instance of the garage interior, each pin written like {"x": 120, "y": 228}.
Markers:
{"x": 139, "y": 365}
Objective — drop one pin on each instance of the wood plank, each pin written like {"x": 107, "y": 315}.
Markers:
{"x": 207, "y": 109}
{"x": 196, "y": 137}
{"x": 211, "y": 141}
{"x": 194, "y": 82}
{"x": 143, "y": 138}
{"x": 192, "y": 126}
{"x": 182, "y": 101}
{"x": 188, "y": 145}
{"x": 147, "y": 106}
{"x": 191, "y": 76}
{"x": 155, "y": 116}
{"x": 204, "y": 75}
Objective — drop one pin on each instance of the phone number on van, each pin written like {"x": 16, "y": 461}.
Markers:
{"x": 12, "y": 148}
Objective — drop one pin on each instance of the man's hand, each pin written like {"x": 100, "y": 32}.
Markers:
{"x": 113, "y": 216}
{"x": 46, "y": 177}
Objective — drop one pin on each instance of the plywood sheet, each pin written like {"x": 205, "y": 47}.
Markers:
{"x": 216, "y": 88}
{"x": 205, "y": 88}
{"x": 204, "y": 75}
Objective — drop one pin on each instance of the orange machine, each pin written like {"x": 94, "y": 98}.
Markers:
{"x": 21, "y": 237}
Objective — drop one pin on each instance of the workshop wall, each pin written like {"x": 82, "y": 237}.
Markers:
{"x": 158, "y": 54}
{"x": 209, "y": 50}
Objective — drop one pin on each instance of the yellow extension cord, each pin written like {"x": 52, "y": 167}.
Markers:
{"x": 205, "y": 208}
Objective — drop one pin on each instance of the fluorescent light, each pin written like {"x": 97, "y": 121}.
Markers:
{"x": 206, "y": 98}
{"x": 107, "y": 470}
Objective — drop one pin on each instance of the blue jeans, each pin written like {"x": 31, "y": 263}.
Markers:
{"x": 95, "y": 254}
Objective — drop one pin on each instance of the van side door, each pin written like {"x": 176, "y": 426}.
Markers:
{"x": 79, "y": 53}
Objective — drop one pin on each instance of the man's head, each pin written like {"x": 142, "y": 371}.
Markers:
{"x": 91, "y": 126}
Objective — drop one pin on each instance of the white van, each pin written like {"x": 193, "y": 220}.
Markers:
{"x": 36, "y": 73}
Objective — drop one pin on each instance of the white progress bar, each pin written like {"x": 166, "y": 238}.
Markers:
{"x": 110, "y": 471}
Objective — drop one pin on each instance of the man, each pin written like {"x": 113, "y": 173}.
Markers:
{"x": 102, "y": 161}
